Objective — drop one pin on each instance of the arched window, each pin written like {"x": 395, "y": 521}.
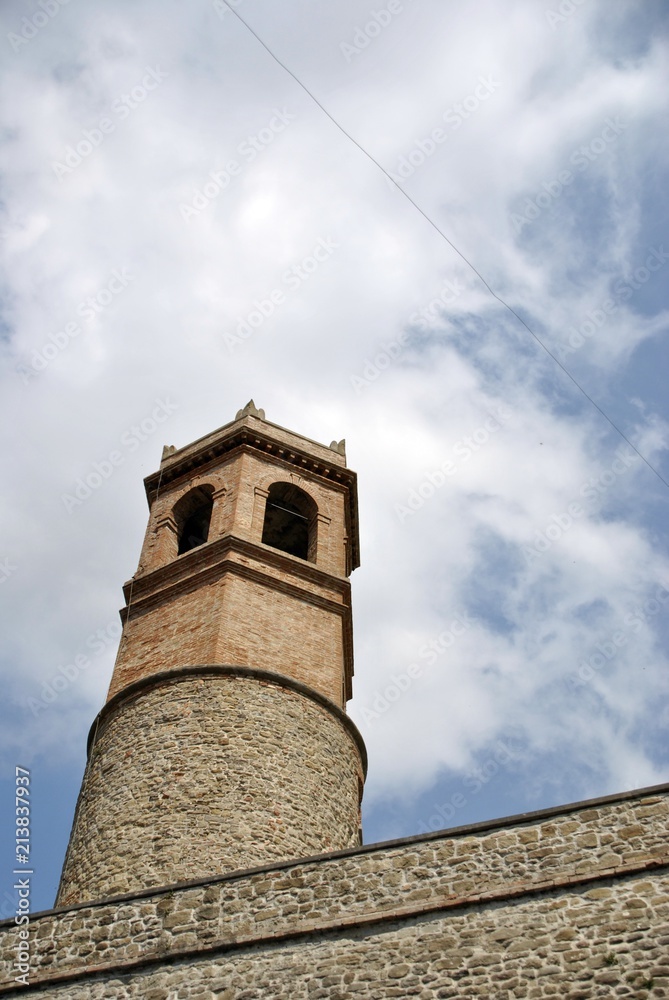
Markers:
{"x": 290, "y": 521}
{"x": 193, "y": 515}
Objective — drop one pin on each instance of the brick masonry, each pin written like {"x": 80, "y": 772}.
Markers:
{"x": 572, "y": 902}
{"x": 235, "y": 599}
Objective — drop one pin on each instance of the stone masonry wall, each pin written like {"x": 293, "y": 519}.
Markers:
{"x": 569, "y": 903}
{"x": 202, "y": 774}
{"x": 601, "y": 943}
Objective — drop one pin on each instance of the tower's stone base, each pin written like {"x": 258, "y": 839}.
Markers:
{"x": 208, "y": 770}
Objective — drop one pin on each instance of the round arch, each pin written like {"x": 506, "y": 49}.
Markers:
{"x": 192, "y": 515}
{"x": 291, "y": 521}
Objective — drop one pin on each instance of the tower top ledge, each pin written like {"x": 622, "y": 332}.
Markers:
{"x": 251, "y": 417}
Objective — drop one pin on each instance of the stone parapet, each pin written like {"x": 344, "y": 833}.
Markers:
{"x": 572, "y": 900}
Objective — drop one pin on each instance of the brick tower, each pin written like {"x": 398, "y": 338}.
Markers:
{"x": 224, "y": 742}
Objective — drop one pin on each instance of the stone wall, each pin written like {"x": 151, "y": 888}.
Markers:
{"x": 572, "y": 902}
{"x": 199, "y": 773}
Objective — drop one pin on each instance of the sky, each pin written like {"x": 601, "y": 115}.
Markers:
{"x": 435, "y": 229}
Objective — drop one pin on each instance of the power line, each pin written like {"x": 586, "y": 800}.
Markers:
{"x": 443, "y": 235}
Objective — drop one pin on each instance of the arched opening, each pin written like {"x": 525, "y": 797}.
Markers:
{"x": 291, "y": 521}
{"x": 193, "y": 516}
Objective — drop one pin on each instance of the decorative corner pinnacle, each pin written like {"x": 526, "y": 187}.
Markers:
{"x": 250, "y": 410}
{"x": 168, "y": 449}
{"x": 339, "y": 447}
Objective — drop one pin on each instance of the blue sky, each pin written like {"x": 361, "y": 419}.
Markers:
{"x": 163, "y": 179}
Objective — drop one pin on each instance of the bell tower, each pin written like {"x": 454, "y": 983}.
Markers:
{"x": 224, "y": 742}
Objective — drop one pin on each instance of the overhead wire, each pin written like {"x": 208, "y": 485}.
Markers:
{"x": 443, "y": 235}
